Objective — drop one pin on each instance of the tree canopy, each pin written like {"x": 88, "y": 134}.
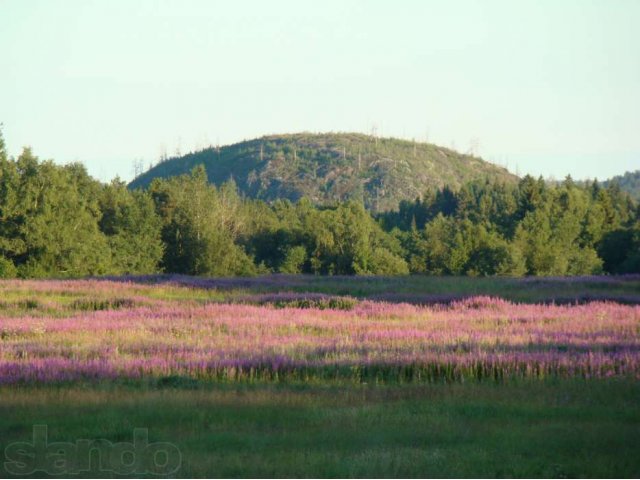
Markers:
{"x": 57, "y": 221}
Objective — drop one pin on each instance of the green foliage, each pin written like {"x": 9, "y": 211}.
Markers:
{"x": 56, "y": 221}
{"x": 535, "y": 239}
{"x": 557, "y": 237}
{"x": 384, "y": 262}
{"x": 3, "y": 147}
{"x": 49, "y": 219}
{"x": 7, "y": 268}
{"x": 330, "y": 168}
{"x": 346, "y": 240}
{"x": 492, "y": 228}
{"x": 492, "y": 255}
{"x": 294, "y": 260}
{"x": 620, "y": 250}
{"x": 132, "y": 229}
{"x": 200, "y": 225}
{"x": 629, "y": 182}
{"x": 584, "y": 261}
{"x": 454, "y": 247}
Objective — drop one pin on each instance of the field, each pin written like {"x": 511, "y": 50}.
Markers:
{"x": 324, "y": 376}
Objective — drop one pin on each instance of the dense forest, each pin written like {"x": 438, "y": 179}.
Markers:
{"x": 57, "y": 221}
{"x": 629, "y": 182}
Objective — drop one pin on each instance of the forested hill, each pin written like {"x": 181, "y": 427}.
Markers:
{"x": 629, "y": 182}
{"x": 332, "y": 167}
{"x": 57, "y": 221}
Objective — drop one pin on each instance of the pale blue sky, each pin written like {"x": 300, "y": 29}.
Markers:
{"x": 552, "y": 87}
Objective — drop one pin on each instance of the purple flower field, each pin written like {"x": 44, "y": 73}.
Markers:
{"x": 88, "y": 330}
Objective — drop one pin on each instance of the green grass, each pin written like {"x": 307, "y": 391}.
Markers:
{"x": 554, "y": 428}
{"x": 539, "y": 429}
{"x": 520, "y": 290}
{"x": 20, "y": 300}
{"x": 408, "y": 287}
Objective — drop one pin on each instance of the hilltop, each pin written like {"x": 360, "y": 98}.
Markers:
{"x": 629, "y": 182}
{"x": 332, "y": 167}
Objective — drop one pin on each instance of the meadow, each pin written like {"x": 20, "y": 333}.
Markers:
{"x": 332, "y": 376}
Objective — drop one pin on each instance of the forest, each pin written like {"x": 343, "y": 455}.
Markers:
{"x": 57, "y": 221}
{"x": 330, "y": 167}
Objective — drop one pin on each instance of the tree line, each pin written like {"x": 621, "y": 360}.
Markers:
{"x": 57, "y": 221}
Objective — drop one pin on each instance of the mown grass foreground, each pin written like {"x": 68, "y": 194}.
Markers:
{"x": 275, "y": 379}
{"x": 560, "y": 429}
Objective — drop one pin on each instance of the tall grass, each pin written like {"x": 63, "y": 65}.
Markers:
{"x": 65, "y": 331}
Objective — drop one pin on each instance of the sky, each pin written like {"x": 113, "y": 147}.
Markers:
{"x": 546, "y": 87}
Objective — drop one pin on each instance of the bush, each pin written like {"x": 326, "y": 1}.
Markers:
{"x": 7, "y": 268}
{"x": 496, "y": 258}
{"x": 294, "y": 260}
{"x": 383, "y": 262}
{"x": 584, "y": 261}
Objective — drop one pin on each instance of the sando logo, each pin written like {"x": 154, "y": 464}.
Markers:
{"x": 122, "y": 458}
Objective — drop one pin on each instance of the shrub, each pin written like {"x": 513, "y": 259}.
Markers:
{"x": 7, "y": 268}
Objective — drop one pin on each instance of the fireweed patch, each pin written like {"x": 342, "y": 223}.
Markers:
{"x": 106, "y": 331}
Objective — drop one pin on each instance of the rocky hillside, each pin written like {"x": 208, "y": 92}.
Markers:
{"x": 331, "y": 167}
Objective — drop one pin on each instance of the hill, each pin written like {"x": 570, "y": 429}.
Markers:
{"x": 629, "y": 182}
{"x": 331, "y": 167}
